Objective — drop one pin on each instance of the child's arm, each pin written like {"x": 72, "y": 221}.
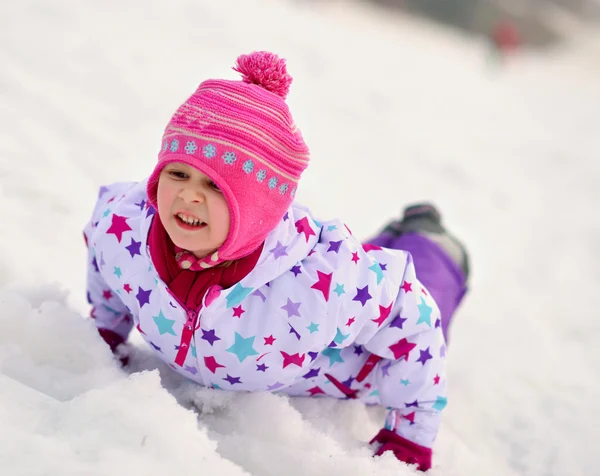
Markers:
{"x": 411, "y": 376}
{"x": 111, "y": 316}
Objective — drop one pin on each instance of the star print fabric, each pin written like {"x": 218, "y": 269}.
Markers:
{"x": 316, "y": 307}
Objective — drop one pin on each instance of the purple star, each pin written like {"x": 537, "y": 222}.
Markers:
{"x": 413, "y": 404}
{"x": 383, "y": 266}
{"x": 398, "y": 321}
{"x": 275, "y": 386}
{"x": 155, "y": 346}
{"x": 210, "y": 336}
{"x": 312, "y": 373}
{"x": 134, "y": 248}
{"x": 313, "y": 355}
{"x": 95, "y": 264}
{"x": 286, "y": 217}
{"x": 151, "y": 211}
{"x": 293, "y": 331}
{"x": 358, "y": 349}
{"x": 296, "y": 270}
{"x": 425, "y": 356}
{"x": 335, "y": 246}
{"x": 102, "y": 262}
{"x": 385, "y": 368}
{"x": 291, "y": 308}
{"x": 362, "y": 295}
{"x": 260, "y": 295}
{"x": 437, "y": 322}
{"x": 192, "y": 370}
{"x": 143, "y": 296}
{"x": 348, "y": 383}
{"x": 279, "y": 250}
{"x": 261, "y": 368}
{"x": 232, "y": 380}
{"x": 443, "y": 351}
{"x": 102, "y": 191}
{"x": 142, "y": 204}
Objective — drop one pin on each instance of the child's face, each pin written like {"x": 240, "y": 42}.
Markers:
{"x": 184, "y": 191}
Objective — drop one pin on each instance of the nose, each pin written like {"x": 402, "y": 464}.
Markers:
{"x": 192, "y": 194}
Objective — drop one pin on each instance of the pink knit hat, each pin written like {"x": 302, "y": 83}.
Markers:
{"x": 241, "y": 134}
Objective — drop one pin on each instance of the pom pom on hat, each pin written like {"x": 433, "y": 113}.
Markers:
{"x": 266, "y": 70}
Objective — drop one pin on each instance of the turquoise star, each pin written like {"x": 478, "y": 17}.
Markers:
{"x": 339, "y": 337}
{"x": 376, "y": 268}
{"x": 317, "y": 223}
{"x": 374, "y": 393}
{"x": 117, "y": 272}
{"x": 405, "y": 382}
{"x": 242, "y": 348}
{"x": 237, "y": 295}
{"x": 165, "y": 326}
{"x": 313, "y": 327}
{"x": 440, "y": 403}
{"x": 106, "y": 213}
{"x": 118, "y": 291}
{"x": 424, "y": 312}
{"x": 339, "y": 289}
{"x": 334, "y": 355}
{"x": 331, "y": 228}
{"x": 215, "y": 386}
{"x": 193, "y": 349}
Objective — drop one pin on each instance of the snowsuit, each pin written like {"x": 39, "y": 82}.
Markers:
{"x": 319, "y": 315}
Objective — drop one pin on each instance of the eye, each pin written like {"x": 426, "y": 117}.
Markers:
{"x": 214, "y": 186}
{"x": 176, "y": 174}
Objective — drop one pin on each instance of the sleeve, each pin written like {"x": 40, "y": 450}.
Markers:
{"x": 111, "y": 316}
{"x": 410, "y": 376}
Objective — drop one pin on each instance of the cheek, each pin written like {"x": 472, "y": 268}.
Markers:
{"x": 164, "y": 197}
{"x": 223, "y": 216}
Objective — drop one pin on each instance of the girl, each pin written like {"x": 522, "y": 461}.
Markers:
{"x": 238, "y": 288}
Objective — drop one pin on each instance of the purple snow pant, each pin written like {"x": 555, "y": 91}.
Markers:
{"x": 444, "y": 280}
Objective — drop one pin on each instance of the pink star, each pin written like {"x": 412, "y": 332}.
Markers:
{"x": 106, "y": 294}
{"x": 238, "y": 311}
{"x": 315, "y": 391}
{"x": 424, "y": 291}
{"x": 410, "y": 417}
{"x": 367, "y": 247}
{"x": 295, "y": 359}
{"x": 436, "y": 380}
{"x": 127, "y": 288}
{"x": 118, "y": 227}
{"x": 350, "y": 322}
{"x": 140, "y": 329}
{"x": 269, "y": 340}
{"x": 302, "y": 226}
{"x": 323, "y": 284}
{"x": 401, "y": 349}
{"x": 355, "y": 257}
{"x": 384, "y": 312}
{"x": 212, "y": 364}
{"x": 406, "y": 286}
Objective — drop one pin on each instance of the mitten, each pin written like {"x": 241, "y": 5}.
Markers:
{"x": 403, "y": 449}
{"x": 114, "y": 340}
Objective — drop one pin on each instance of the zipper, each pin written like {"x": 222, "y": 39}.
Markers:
{"x": 191, "y": 325}
{"x": 366, "y": 369}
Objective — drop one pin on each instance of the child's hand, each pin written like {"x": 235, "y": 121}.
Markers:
{"x": 116, "y": 344}
{"x": 403, "y": 449}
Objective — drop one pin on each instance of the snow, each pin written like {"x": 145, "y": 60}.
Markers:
{"x": 403, "y": 111}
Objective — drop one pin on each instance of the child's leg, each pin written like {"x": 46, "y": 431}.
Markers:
{"x": 440, "y": 260}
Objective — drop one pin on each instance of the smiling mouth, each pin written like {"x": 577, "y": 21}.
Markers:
{"x": 189, "y": 223}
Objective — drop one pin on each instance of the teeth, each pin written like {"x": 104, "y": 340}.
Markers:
{"x": 190, "y": 220}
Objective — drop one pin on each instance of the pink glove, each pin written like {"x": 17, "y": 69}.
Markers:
{"x": 114, "y": 340}
{"x": 403, "y": 449}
